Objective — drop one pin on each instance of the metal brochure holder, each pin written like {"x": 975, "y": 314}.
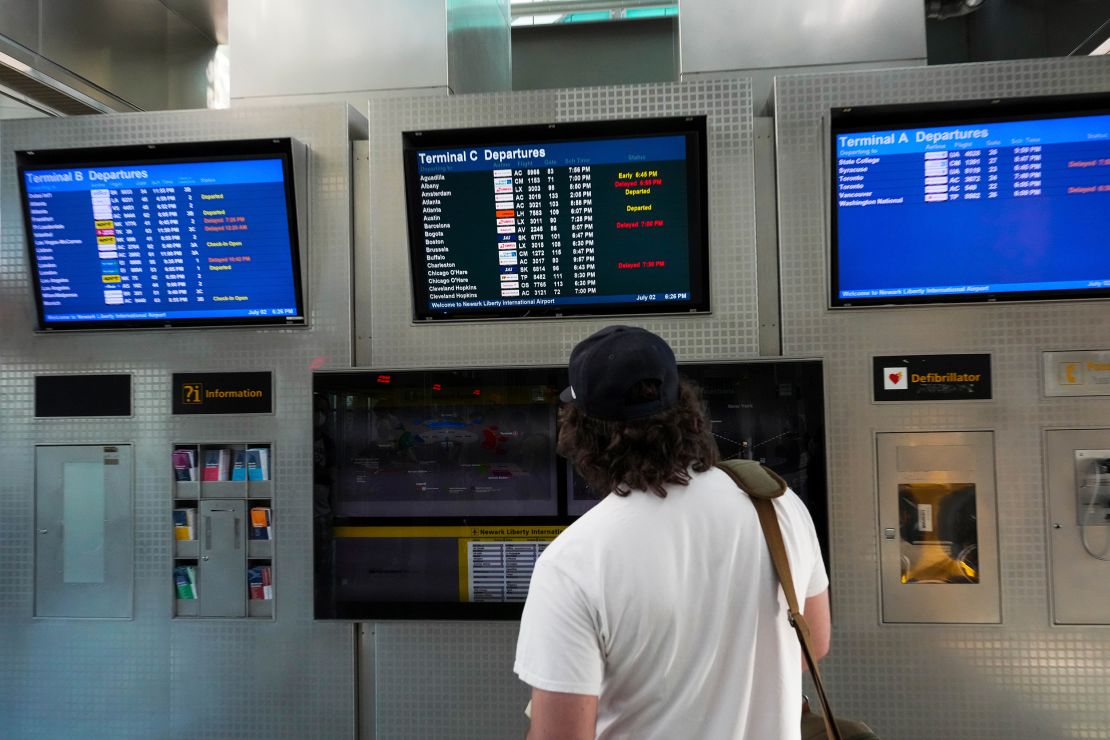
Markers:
{"x": 1077, "y": 478}
{"x": 939, "y": 533}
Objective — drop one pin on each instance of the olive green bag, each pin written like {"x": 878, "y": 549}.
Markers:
{"x": 762, "y": 486}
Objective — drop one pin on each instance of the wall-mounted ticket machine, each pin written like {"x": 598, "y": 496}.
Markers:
{"x": 938, "y": 527}
{"x": 1077, "y": 473}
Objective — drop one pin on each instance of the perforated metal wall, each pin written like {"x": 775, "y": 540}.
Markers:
{"x": 153, "y": 677}
{"x": 455, "y": 680}
{"x": 1023, "y": 678}
{"x": 388, "y": 337}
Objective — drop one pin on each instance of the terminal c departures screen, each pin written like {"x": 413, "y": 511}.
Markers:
{"x": 1001, "y": 201}
{"x": 560, "y": 219}
{"x": 196, "y": 234}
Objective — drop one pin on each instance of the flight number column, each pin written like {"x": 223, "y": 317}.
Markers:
{"x": 130, "y": 208}
{"x": 534, "y": 188}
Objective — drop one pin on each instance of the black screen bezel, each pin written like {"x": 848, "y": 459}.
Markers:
{"x": 693, "y": 128}
{"x": 807, "y": 374}
{"x": 862, "y": 119}
{"x": 173, "y": 153}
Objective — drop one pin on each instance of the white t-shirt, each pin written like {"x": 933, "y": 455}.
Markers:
{"x": 668, "y": 610}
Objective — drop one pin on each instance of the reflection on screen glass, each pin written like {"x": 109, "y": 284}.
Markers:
{"x": 436, "y": 491}
{"x": 451, "y": 456}
{"x": 940, "y": 539}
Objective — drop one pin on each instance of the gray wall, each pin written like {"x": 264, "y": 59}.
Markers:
{"x": 157, "y": 677}
{"x": 347, "y": 49}
{"x": 127, "y": 54}
{"x": 388, "y": 338}
{"x": 718, "y": 35}
{"x": 581, "y": 54}
{"x": 455, "y": 680}
{"x": 1019, "y": 29}
{"x": 1023, "y": 678}
{"x": 153, "y": 676}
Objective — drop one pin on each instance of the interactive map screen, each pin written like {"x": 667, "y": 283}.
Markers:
{"x": 435, "y": 491}
{"x": 559, "y": 219}
{"x": 976, "y": 202}
{"x": 163, "y": 235}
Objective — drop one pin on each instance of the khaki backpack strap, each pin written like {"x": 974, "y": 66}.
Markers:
{"x": 768, "y": 520}
{"x": 754, "y": 479}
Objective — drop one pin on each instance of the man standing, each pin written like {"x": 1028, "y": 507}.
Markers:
{"x": 658, "y": 614}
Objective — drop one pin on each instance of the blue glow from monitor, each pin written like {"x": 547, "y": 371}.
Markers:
{"x": 199, "y": 241}
{"x": 1000, "y": 210}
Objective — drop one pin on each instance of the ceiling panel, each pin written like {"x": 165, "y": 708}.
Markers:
{"x": 209, "y": 16}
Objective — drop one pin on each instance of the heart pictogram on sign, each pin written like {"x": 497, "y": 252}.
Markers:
{"x": 895, "y": 378}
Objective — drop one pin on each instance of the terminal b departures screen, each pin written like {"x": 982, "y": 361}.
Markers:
{"x": 435, "y": 491}
{"x": 1000, "y": 201}
{"x": 198, "y": 234}
{"x": 560, "y": 219}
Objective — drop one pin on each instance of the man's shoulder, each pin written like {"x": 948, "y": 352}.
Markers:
{"x": 584, "y": 531}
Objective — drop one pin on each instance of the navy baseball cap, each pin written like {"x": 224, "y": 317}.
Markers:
{"x": 607, "y": 364}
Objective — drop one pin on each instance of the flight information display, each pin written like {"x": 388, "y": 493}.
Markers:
{"x": 987, "y": 209}
{"x": 163, "y": 236}
{"x": 600, "y": 218}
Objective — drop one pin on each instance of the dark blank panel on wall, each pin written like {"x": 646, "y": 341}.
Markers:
{"x": 83, "y": 395}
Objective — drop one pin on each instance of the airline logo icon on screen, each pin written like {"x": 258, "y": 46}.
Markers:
{"x": 896, "y": 379}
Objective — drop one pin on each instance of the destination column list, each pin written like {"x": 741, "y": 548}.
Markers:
{"x": 447, "y": 281}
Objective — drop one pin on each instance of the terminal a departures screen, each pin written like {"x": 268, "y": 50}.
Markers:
{"x": 197, "y": 234}
{"x": 556, "y": 220}
{"x": 1002, "y": 201}
{"x": 435, "y": 491}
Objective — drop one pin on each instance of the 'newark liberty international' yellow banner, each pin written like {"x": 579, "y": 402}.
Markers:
{"x": 492, "y": 564}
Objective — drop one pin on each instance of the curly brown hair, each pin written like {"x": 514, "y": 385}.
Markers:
{"x": 642, "y": 454}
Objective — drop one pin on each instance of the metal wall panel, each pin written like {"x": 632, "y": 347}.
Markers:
{"x": 69, "y": 26}
{"x": 479, "y": 57}
{"x": 370, "y": 45}
{"x": 154, "y": 677}
{"x": 731, "y": 331}
{"x": 139, "y": 51}
{"x": 455, "y": 680}
{"x": 580, "y": 54}
{"x": 1023, "y": 678}
{"x": 208, "y": 16}
{"x": 723, "y": 34}
{"x": 19, "y": 21}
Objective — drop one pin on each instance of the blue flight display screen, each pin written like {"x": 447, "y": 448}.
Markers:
{"x": 569, "y": 224}
{"x": 200, "y": 241}
{"x": 994, "y": 210}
